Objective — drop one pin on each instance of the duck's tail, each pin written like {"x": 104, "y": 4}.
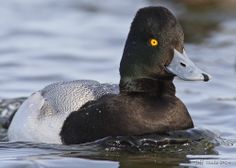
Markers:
{"x": 8, "y": 108}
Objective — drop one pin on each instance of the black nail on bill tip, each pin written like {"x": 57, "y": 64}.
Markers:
{"x": 206, "y": 77}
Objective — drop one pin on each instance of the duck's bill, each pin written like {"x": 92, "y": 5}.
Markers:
{"x": 185, "y": 69}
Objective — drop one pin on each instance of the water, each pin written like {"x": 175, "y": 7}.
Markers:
{"x": 45, "y": 41}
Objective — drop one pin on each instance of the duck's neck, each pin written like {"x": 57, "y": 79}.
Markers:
{"x": 157, "y": 87}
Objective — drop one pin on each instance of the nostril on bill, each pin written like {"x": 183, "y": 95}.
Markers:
{"x": 206, "y": 77}
{"x": 182, "y": 64}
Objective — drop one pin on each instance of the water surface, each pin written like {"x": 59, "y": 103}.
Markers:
{"x": 45, "y": 41}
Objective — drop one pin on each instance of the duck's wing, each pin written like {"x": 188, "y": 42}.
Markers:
{"x": 65, "y": 97}
{"x": 41, "y": 116}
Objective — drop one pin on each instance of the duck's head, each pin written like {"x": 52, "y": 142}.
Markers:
{"x": 155, "y": 49}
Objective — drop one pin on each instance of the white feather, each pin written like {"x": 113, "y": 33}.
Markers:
{"x": 41, "y": 117}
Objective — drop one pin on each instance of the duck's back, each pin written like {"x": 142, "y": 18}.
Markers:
{"x": 42, "y": 115}
{"x": 70, "y": 96}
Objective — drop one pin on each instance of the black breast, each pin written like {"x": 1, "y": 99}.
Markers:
{"x": 125, "y": 114}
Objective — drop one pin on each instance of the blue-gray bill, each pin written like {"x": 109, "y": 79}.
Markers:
{"x": 185, "y": 69}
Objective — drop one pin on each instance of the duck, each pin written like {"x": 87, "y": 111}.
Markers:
{"x": 144, "y": 102}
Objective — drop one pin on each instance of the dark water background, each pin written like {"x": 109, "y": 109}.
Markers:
{"x": 44, "y": 41}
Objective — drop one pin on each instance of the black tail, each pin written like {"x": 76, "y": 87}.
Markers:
{"x": 8, "y": 108}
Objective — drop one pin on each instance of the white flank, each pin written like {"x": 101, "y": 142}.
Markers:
{"x": 41, "y": 117}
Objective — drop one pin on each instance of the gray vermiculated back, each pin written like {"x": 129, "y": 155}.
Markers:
{"x": 70, "y": 96}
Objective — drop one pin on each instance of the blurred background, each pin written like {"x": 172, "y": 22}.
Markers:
{"x": 45, "y": 41}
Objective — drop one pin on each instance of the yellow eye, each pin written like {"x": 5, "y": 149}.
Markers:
{"x": 153, "y": 42}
